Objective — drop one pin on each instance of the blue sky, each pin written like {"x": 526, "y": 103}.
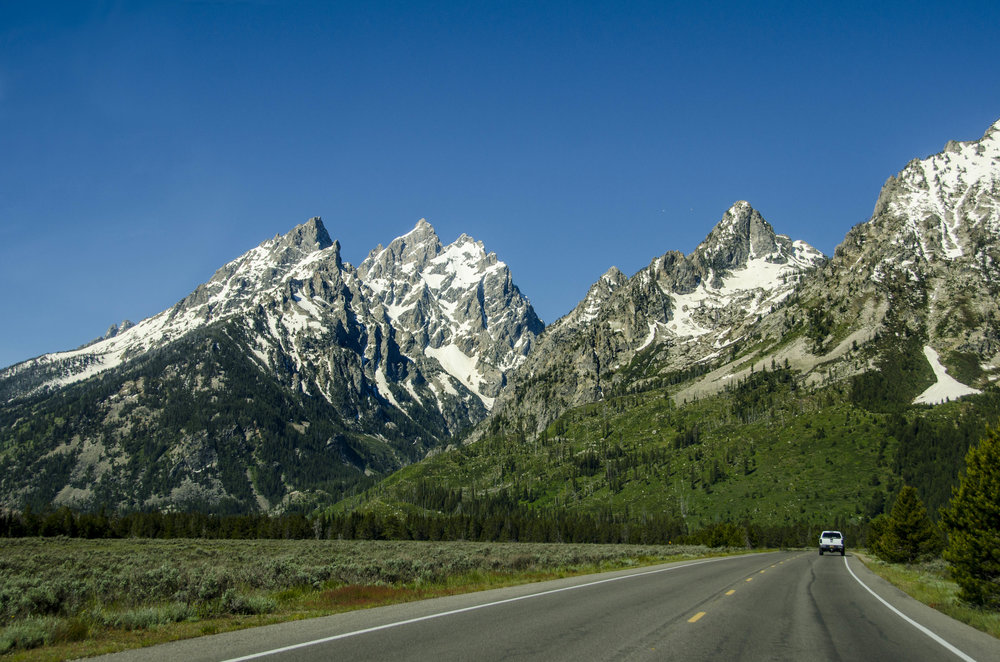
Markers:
{"x": 143, "y": 145}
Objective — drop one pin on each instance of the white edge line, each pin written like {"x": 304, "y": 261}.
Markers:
{"x": 909, "y": 620}
{"x": 428, "y": 617}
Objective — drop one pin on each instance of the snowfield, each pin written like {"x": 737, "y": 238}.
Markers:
{"x": 947, "y": 387}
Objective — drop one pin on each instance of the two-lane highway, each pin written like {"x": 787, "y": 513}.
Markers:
{"x": 775, "y": 606}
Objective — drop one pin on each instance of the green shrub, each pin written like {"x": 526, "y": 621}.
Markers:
{"x": 144, "y": 618}
{"x": 73, "y": 629}
{"x": 233, "y": 602}
{"x": 30, "y": 633}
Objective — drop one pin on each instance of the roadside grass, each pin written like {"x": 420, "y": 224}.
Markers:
{"x": 930, "y": 582}
{"x": 65, "y": 598}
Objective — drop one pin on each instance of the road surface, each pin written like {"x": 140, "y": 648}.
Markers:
{"x": 773, "y": 606}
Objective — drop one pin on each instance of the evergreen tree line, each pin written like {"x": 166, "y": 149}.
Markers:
{"x": 153, "y": 524}
{"x": 518, "y": 524}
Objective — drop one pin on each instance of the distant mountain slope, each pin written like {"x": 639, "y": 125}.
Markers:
{"x": 678, "y": 313}
{"x": 923, "y": 268}
{"x": 392, "y": 376}
{"x": 754, "y": 380}
{"x": 936, "y": 232}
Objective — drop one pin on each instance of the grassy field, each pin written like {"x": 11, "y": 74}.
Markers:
{"x": 931, "y": 583}
{"x": 68, "y": 598}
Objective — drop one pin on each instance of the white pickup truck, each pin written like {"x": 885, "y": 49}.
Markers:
{"x": 831, "y": 541}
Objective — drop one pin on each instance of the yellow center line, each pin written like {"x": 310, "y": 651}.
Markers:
{"x": 730, "y": 591}
{"x": 749, "y": 579}
{"x": 763, "y": 571}
{"x": 696, "y": 617}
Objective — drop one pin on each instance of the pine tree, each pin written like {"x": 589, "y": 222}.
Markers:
{"x": 907, "y": 533}
{"x": 973, "y": 524}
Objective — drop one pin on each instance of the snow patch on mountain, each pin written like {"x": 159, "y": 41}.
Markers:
{"x": 385, "y": 391}
{"x": 946, "y": 387}
{"x": 462, "y": 367}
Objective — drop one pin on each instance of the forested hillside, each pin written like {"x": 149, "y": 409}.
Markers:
{"x": 768, "y": 450}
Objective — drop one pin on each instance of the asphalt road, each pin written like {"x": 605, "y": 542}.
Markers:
{"x": 775, "y": 606}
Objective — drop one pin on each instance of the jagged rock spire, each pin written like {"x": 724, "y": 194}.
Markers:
{"x": 741, "y": 235}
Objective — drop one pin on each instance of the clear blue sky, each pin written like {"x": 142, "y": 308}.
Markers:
{"x": 143, "y": 145}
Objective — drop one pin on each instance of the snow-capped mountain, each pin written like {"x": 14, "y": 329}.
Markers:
{"x": 914, "y": 289}
{"x": 456, "y": 305}
{"x": 391, "y": 358}
{"x": 234, "y": 289}
{"x": 946, "y": 206}
{"x": 740, "y": 271}
{"x": 930, "y": 253}
{"x": 742, "y": 266}
{"x": 292, "y": 375}
{"x": 677, "y": 312}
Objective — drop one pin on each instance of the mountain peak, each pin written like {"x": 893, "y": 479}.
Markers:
{"x": 614, "y": 275}
{"x": 311, "y": 234}
{"x": 590, "y": 307}
{"x": 936, "y": 205}
{"x": 739, "y": 209}
{"x": 422, "y": 230}
{"x": 415, "y": 249}
{"x": 742, "y": 234}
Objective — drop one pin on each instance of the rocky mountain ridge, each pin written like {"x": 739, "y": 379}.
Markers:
{"x": 936, "y": 226}
{"x": 925, "y": 265}
{"x": 753, "y": 380}
{"x": 391, "y": 375}
{"x": 679, "y": 312}
{"x": 457, "y": 305}
{"x": 292, "y": 377}
{"x": 230, "y": 291}
{"x": 466, "y": 319}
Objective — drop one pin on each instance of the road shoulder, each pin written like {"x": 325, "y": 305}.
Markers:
{"x": 974, "y": 643}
